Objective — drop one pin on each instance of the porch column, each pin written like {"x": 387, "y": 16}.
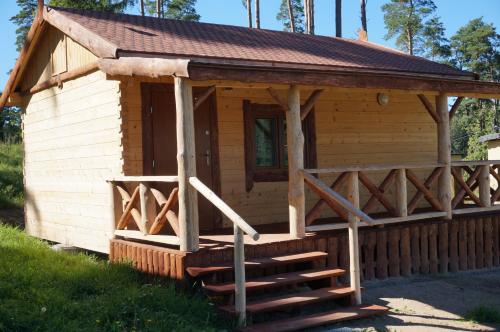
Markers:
{"x": 295, "y": 141}
{"x": 186, "y": 165}
{"x": 353, "y": 197}
{"x": 444, "y": 154}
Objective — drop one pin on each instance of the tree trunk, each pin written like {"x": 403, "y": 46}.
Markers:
{"x": 142, "y": 7}
{"x": 311, "y": 16}
{"x": 364, "y": 25}
{"x": 291, "y": 14}
{"x": 158, "y": 8}
{"x": 257, "y": 14}
{"x": 306, "y": 14}
{"x": 249, "y": 12}
{"x": 410, "y": 41}
{"x": 338, "y": 18}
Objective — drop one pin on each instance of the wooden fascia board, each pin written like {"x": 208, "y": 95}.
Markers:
{"x": 99, "y": 46}
{"x": 450, "y": 87}
{"x": 24, "y": 56}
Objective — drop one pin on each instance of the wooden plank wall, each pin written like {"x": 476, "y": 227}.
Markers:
{"x": 56, "y": 53}
{"x": 351, "y": 128}
{"x": 393, "y": 251}
{"x": 72, "y": 142}
{"x": 149, "y": 259}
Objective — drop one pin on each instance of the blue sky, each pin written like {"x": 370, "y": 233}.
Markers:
{"x": 454, "y": 13}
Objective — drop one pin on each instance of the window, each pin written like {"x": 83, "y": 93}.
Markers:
{"x": 266, "y": 151}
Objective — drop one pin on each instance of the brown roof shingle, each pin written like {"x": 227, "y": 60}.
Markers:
{"x": 131, "y": 33}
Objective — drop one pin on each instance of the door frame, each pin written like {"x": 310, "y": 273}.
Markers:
{"x": 147, "y": 138}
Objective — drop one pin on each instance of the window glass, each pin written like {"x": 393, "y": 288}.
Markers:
{"x": 265, "y": 142}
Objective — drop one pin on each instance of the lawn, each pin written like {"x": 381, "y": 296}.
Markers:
{"x": 11, "y": 176}
{"x": 45, "y": 290}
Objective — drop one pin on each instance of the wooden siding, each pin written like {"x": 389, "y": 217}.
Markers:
{"x": 351, "y": 129}
{"x": 56, "y": 53}
{"x": 72, "y": 143}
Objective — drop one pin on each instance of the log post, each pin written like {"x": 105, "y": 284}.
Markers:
{"x": 295, "y": 141}
{"x": 114, "y": 209}
{"x": 353, "y": 197}
{"x": 239, "y": 276}
{"x": 401, "y": 193}
{"x": 444, "y": 154}
{"x": 484, "y": 185}
{"x": 186, "y": 165}
{"x": 143, "y": 200}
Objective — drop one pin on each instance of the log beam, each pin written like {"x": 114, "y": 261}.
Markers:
{"x": 429, "y": 107}
{"x": 186, "y": 165}
{"x": 455, "y": 106}
{"x": 309, "y": 104}
{"x": 279, "y": 100}
{"x": 353, "y": 197}
{"x": 295, "y": 142}
{"x": 444, "y": 154}
{"x": 204, "y": 96}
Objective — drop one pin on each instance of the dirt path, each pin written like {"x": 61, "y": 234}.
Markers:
{"x": 430, "y": 303}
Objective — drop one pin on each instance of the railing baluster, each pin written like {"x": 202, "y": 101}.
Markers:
{"x": 353, "y": 197}
{"x": 484, "y": 186}
{"x": 239, "y": 276}
{"x": 112, "y": 210}
{"x": 401, "y": 193}
{"x": 143, "y": 199}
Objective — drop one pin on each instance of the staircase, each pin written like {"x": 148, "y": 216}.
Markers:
{"x": 290, "y": 285}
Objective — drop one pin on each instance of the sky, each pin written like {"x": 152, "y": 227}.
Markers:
{"x": 454, "y": 14}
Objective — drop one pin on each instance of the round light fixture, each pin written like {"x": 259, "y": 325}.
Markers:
{"x": 382, "y": 99}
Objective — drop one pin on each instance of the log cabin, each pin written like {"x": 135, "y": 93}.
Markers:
{"x": 254, "y": 160}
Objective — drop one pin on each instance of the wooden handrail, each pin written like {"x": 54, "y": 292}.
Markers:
{"x": 240, "y": 226}
{"x": 475, "y": 162}
{"x": 223, "y": 207}
{"x": 172, "y": 178}
{"x": 327, "y": 194}
{"x": 373, "y": 167}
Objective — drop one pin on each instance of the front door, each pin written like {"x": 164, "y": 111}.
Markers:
{"x": 160, "y": 142}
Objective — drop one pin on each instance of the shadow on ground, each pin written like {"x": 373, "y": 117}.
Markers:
{"x": 430, "y": 303}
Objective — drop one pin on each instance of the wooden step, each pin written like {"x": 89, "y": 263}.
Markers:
{"x": 276, "y": 280}
{"x": 293, "y": 300}
{"x": 195, "y": 271}
{"x": 324, "y": 318}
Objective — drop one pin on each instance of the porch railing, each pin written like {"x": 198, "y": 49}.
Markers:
{"x": 142, "y": 211}
{"x": 476, "y": 186}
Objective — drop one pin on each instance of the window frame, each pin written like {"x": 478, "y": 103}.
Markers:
{"x": 279, "y": 173}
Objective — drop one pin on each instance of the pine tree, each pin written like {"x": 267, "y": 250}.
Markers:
{"x": 298, "y": 15}
{"x": 435, "y": 44}
{"x": 23, "y": 20}
{"x": 338, "y": 18}
{"x": 173, "y": 9}
{"x": 476, "y": 47}
{"x": 404, "y": 20}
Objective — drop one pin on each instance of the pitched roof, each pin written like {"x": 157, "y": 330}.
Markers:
{"x": 211, "y": 42}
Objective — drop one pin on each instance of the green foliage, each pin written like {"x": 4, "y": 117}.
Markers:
{"x": 10, "y": 125}
{"x": 23, "y": 20}
{"x": 11, "y": 176}
{"x": 483, "y": 314}
{"x": 174, "y": 9}
{"x": 298, "y": 14}
{"x": 435, "y": 44}
{"x": 476, "y": 47}
{"x": 44, "y": 290}
{"x": 116, "y": 6}
{"x": 404, "y": 20}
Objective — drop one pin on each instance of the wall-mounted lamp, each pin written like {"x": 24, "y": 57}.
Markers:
{"x": 382, "y": 99}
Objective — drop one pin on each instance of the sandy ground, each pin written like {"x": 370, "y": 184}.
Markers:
{"x": 430, "y": 303}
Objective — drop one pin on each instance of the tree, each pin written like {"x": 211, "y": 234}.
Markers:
{"x": 173, "y": 9}
{"x": 435, "y": 44}
{"x": 296, "y": 24}
{"x": 476, "y": 47}
{"x": 404, "y": 20}
{"x": 248, "y": 6}
{"x": 23, "y": 20}
{"x": 309, "y": 13}
{"x": 10, "y": 125}
{"x": 116, "y": 6}
{"x": 364, "y": 24}
{"x": 338, "y": 18}
{"x": 257, "y": 14}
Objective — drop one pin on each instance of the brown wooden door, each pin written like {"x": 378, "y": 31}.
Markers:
{"x": 160, "y": 143}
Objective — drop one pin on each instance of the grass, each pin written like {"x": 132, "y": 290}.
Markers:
{"x": 11, "y": 176}
{"x": 483, "y": 314}
{"x": 44, "y": 290}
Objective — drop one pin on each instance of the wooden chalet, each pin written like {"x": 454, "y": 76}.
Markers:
{"x": 195, "y": 150}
